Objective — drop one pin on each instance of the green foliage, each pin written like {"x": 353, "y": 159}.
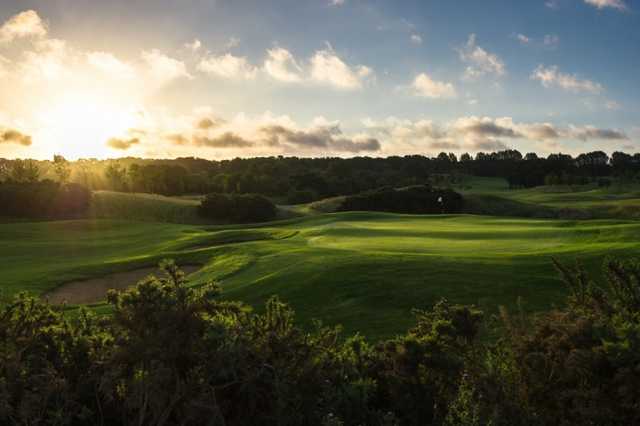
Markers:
{"x": 172, "y": 354}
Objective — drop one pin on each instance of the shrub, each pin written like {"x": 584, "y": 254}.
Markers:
{"x": 420, "y": 199}
{"x": 241, "y": 208}
{"x": 43, "y": 199}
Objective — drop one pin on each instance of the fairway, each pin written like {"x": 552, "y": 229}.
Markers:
{"x": 365, "y": 271}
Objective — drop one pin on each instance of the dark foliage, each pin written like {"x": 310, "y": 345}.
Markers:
{"x": 413, "y": 200}
{"x": 43, "y": 199}
{"x": 323, "y": 177}
{"x": 243, "y": 208}
{"x": 172, "y": 354}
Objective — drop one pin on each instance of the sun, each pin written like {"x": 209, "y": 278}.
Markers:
{"x": 78, "y": 124}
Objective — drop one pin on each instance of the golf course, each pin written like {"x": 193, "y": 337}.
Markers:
{"x": 362, "y": 270}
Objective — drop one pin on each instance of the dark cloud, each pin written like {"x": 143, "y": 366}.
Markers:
{"x": 323, "y": 137}
{"x": 585, "y": 134}
{"x": 209, "y": 123}
{"x": 277, "y": 135}
{"x": 489, "y": 129}
{"x": 349, "y": 145}
{"x": 123, "y": 144}
{"x": 225, "y": 140}
{"x": 542, "y": 132}
{"x": 14, "y": 136}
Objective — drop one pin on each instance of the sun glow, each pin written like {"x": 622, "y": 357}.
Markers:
{"x": 79, "y": 124}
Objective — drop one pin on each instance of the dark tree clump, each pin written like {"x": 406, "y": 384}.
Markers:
{"x": 243, "y": 208}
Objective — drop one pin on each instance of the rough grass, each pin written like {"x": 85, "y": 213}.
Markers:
{"x": 363, "y": 270}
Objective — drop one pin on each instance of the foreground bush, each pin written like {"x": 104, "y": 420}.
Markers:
{"x": 420, "y": 199}
{"x": 44, "y": 199}
{"x": 237, "y": 208}
{"x": 173, "y": 354}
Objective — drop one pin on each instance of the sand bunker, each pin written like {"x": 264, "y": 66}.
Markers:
{"x": 95, "y": 289}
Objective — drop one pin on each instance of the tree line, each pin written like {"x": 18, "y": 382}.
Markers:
{"x": 172, "y": 354}
{"x": 294, "y": 180}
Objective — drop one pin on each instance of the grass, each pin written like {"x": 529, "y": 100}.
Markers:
{"x": 365, "y": 271}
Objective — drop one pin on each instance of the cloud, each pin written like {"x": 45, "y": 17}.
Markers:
{"x": 523, "y": 39}
{"x": 480, "y": 61}
{"x": 479, "y": 133}
{"x": 194, "y": 46}
{"x": 330, "y": 138}
{"x": 109, "y": 64}
{"x": 122, "y": 144}
{"x": 425, "y": 86}
{"x": 602, "y": 4}
{"x": 445, "y": 145}
{"x": 14, "y": 136}
{"x": 22, "y": 25}
{"x": 282, "y": 66}
{"x": 225, "y": 140}
{"x": 336, "y": 2}
{"x": 590, "y": 132}
{"x": 209, "y": 123}
{"x": 484, "y": 127}
{"x": 164, "y": 69}
{"x": 50, "y": 60}
{"x": 551, "y": 77}
{"x": 228, "y": 66}
{"x": 416, "y": 39}
{"x": 328, "y": 68}
{"x": 552, "y": 4}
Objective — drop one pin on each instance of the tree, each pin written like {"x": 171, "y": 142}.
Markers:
{"x": 24, "y": 171}
{"x": 61, "y": 168}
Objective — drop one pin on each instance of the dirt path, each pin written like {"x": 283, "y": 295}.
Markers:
{"x": 95, "y": 289}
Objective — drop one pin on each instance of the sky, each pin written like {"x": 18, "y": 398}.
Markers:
{"x": 226, "y": 78}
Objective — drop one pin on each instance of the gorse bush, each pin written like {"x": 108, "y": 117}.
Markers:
{"x": 173, "y": 354}
{"x": 237, "y": 208}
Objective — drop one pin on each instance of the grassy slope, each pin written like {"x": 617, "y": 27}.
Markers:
{"x": 363, "y": 270}
{"x": 492, "y": 196}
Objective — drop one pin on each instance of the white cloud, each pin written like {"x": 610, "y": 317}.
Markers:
{"x": 108, "y": 63}
{"x": 194, "y": 46}
{"x": 552, "y": 4}
{"x": 281, "y": 65}
{"x": 416, "y": 39}
{"x": 336, "y": 2}
{"x": 602, "y": 4}
{"x": 328, "y": 68}
{"x": 24, "y": 24}
{"x": 425, "y": 86}
{"x": 228, "y": 66}
{"x": 481, "y": 62}
{"x": 523, "y": 39}
{"x": 164, "y": 69}
{"x": 50, "y": 60}
{"x": 232, "y": 42}
{"x": 4, "y": 66}
{"x": 551, "y": 77}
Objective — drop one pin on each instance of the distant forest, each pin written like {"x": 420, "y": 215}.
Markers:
{"x": 299, "y": 180}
